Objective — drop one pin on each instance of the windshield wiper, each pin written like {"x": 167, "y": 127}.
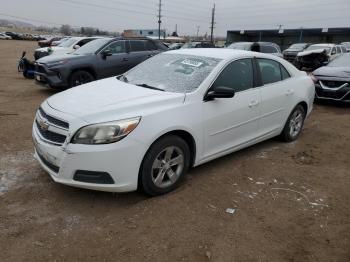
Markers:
{"x": 150, "y": 87}
{"x": 124, "y": 78}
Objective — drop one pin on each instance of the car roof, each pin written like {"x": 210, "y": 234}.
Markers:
{"x": 324, "y": 45}
{"x": 220, "y": 53}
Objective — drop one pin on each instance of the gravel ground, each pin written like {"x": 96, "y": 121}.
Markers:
{"x": 291, "y": 201}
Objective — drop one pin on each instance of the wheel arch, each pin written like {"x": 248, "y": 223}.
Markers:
{"x": 85, "y": 68}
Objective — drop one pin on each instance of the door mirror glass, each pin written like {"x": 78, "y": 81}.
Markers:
{"x": 106, "y": 53}
{"x": 219, "y": 92}
{"x": 75, "y": 47}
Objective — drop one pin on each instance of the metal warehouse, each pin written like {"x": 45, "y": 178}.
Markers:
{"x": 286, "y": 37}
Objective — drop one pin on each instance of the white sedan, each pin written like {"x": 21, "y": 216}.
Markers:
{"x": 177, "y": 110}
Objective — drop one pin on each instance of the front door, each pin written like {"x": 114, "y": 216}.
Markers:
{"x": 232, "y": 122}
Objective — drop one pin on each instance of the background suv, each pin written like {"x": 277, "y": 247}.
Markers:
{"x": 291, "y": 52}
{"x": 261, "y": 47}
{"x": 98, "y": 59}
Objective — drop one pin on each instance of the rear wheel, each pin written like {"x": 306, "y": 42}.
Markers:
{"x": 80, "y": 77}
{"x": 294, "y": 124}
{"x": 165, "y": 165}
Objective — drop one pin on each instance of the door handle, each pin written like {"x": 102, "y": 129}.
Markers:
{"x": 150, "y": 55}
{"x": 253, "y": 103}
{"x": 125, "y": 59}
{"x": 289, "y": 92}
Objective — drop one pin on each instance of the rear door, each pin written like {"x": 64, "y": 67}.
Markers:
{"x": 138, "y": 52}
{"x": 115, "y": 64}
{"x": 276, "y": 93}
{"x": 232, "y": 122}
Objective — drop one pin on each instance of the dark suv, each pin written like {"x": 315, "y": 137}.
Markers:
{"x": 98, "y": 59}
{"x": 291, "y": 53}
{"x": 261, "y": 47}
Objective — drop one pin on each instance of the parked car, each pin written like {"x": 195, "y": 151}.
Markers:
{"x": 201, "y": 44}
{"x": 291, "y": 52}
{"x": 179, "y": 109}
{"x": 261, "y": 47}
{"x": 56, "y": 43}
{"x": 4, "y": 36}
{"x": 47, "y": 42}
{"x": 347, "y": 46}
{"x": 333, "y": 80}
{"x": 175, "y": 46}
{"x": 318, "y": 55}
{"x": 65, "y": 47}
{"x": 13, "y": 35}
{"x": 98, "y": 59}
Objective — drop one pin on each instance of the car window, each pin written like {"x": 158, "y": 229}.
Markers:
{"x": 238, "y": 75}
{"x": 268, "y": 49}
{"x": 116, "y": 47}
{"x": 137, "y": 46}
{"x": 85, "y": 41}
{"x": 343, "y": 49}
{"x": 338, "y": 49}
{"x": 334, "y": 51}
{"x": 284, "y": 73}
{"x": 150, "y": 45}
{"x": 270, "y": 71}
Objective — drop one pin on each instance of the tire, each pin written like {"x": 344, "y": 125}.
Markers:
{"x": 294, "y": 124}
{"x": 80, "y": 77}
{"x": 159, "y": 174}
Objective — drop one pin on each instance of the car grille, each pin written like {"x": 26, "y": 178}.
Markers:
{"x": 290, "y": 57}
{"x": 39, "y": 68}
{"x": 50, "y": 129}
{"x": 333, "y": 84}
{"x": 53, "y": 120}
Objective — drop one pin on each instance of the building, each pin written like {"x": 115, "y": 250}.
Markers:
{"x": 286, "y": 37}
{"x": 144, "y": 33}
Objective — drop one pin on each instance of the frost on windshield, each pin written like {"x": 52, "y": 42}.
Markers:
{"x": 173, "y": 72}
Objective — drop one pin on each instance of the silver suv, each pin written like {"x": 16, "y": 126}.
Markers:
{"x": 261, "y": 47}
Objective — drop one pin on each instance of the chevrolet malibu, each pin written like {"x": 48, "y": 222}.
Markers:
{"x": 145, "y": 129}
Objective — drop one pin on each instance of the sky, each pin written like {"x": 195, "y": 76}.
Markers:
{"x": 117, "y": 15}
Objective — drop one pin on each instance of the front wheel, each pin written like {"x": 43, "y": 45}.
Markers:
{"x": 294, "y": 125}
{"x": 80, "y": 77}
{"x": 165, "y": 165}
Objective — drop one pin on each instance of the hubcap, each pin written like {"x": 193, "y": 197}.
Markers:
{"x": 296, "y": 123}
{"x": 167, "y": 167}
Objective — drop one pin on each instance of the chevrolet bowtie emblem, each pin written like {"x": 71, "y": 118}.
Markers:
{"x": 44, "y": 125}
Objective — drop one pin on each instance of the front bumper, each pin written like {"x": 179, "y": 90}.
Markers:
{"x": 120, "y": 160}
{"x": 52, "y": 77}
{"x": 342, "y": 94}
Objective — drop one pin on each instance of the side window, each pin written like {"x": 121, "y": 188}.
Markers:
{"x": 116, "y": 47}
{"x": 333, "y": 52}
{"x": 268, "y": 49}
{"x": 137, "y": 46}
{"x": 150, "y": 45}
{"x": 343, "y": 49}
{"x": 284, "y": 73}
{"x": 84, "y": 41}
{"x": 270, "y": 71}
{"x": 338, "y": 49}
{"x": 238, "y": 75}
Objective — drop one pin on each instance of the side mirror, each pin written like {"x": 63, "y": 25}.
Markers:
{"x": 106, "y": 53}
{"x": 76, "y": 47}
{"x": 219, "y": 92}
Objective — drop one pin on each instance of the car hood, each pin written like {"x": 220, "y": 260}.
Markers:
{"x": 53, "y": 48}
{"x": 59, "y": 57}
{"x": 293, "y": 50}
{"x": 316, "y": 51}
{"x": 333, "y": 72}
{"x": 111, "y": 99}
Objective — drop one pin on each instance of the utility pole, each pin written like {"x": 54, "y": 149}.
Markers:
{"x": 198, "y": 31}
{"x": 159, "y": 17}
{"x": 212, "y": 24}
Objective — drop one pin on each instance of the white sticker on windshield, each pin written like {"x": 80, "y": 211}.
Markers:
{"x": 191, "y": 63}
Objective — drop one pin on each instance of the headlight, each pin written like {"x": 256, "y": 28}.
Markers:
{"x": 105, "y": 133}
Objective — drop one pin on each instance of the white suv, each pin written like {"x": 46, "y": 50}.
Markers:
{"x": 179, "y": 109}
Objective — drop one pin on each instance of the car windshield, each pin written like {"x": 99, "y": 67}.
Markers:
{"x": 341, "y": 61}
{"x": 240, "y": 46}
{"x": 315, "y": 47}
{"x": 68, "y": 43}
{"x": 346, "y": 44}
{"x": 177, "y": 73}
{"x": 92, "y": 47}
{"x": 297, "y": 46}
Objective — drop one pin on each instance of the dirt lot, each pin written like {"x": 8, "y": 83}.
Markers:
{"x": 291, "y": 200}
